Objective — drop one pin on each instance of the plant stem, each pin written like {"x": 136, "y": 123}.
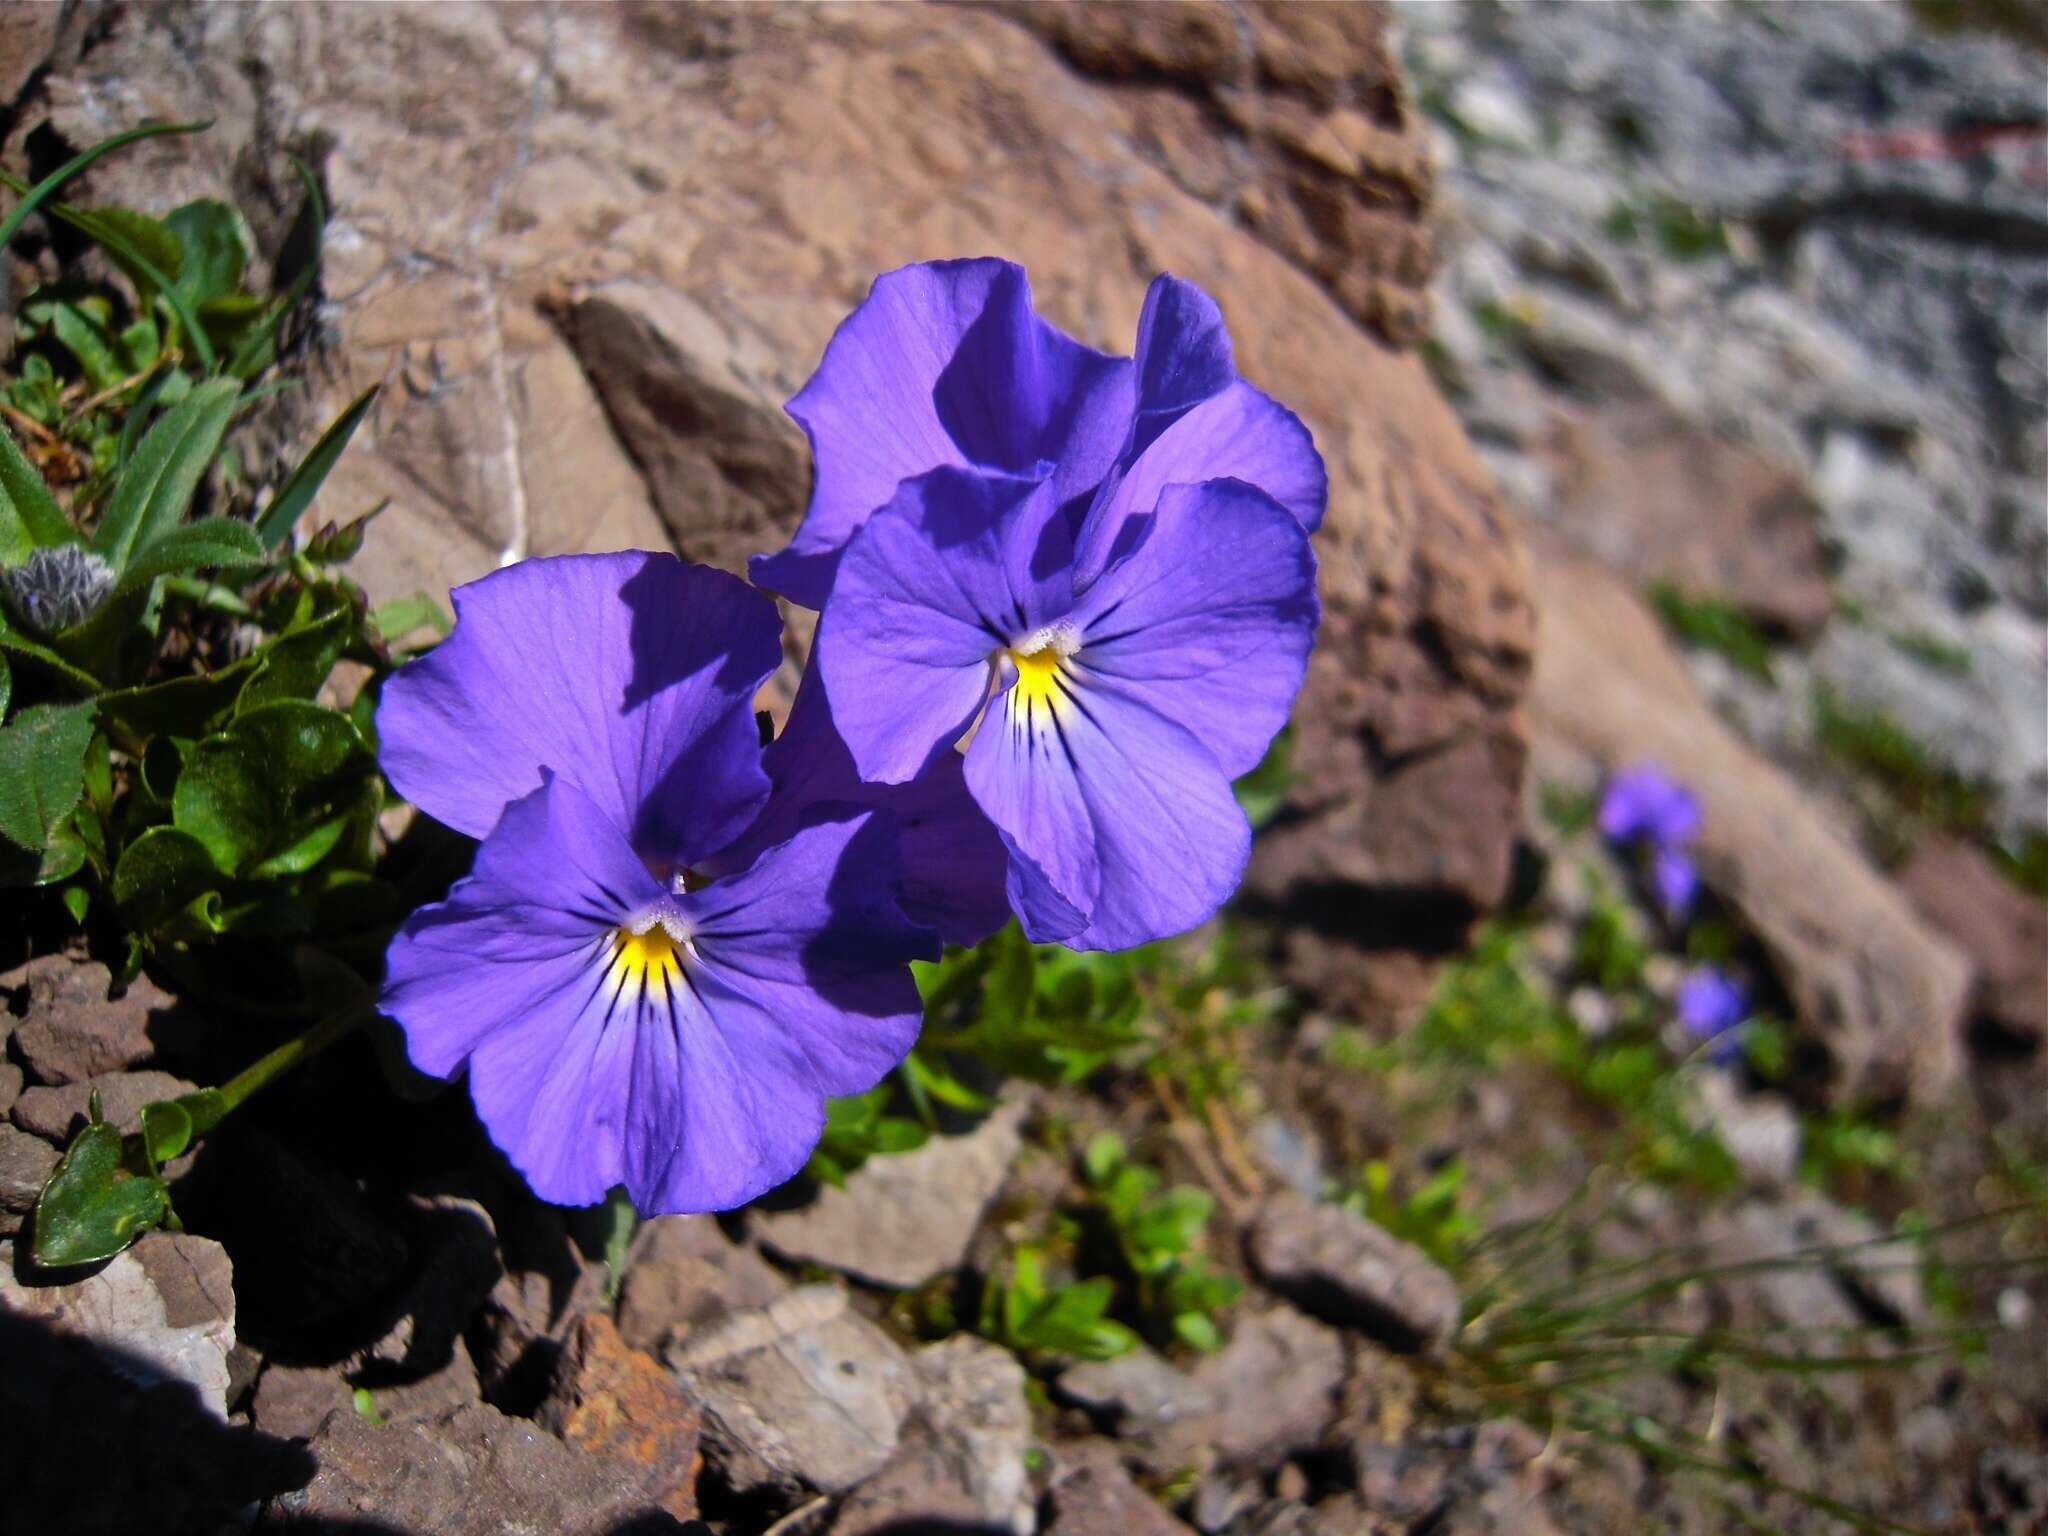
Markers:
{"x": 265, "y": 1070}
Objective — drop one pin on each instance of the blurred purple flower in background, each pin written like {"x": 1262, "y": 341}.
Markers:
{"x": 644, "y": 992}
{"x": 1710, "y": 1006}
{"x": 1644, "y": 805}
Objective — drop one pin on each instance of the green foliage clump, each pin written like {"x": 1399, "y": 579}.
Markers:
{"x": 173, "y": 770}
{"x": 1931, "y": 651}
{"x": 1714, "y": 624}
{"x": 1433, "y": 1216}
{"x": 1026, "y": 1311}
{"x": 1681, "y": 231}
{"x": 1159, "y": 1233}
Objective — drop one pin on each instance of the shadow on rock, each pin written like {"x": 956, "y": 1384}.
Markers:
{"x": 97, "y": 1441}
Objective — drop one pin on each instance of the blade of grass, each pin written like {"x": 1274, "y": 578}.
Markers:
{"x": 32, "y": 197}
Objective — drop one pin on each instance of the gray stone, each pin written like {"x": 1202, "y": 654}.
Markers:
{"x": 73, "y": 1030}
{"x": 961, "y": 1460}
{"x": 801, "y": 1394}
{"x": 1094, "y": 1496}
{"x": 293, "y": 1401}
{"x": 901, "y": 1221}
{"x": 682, "y": 1271}
{"x": 1760, "y": 1132}
{"x": 26, "y": 1163}
{"x": 10, "y": 1085}
{"x": 1275, "y": 1385}
{"x": 1349, "y": 1270}
{"x": 58, "y": 1114}
{"x": 1138, "y": 1393}
{"x": 473, "y": 1472}
{"x": 164, "y": 1309}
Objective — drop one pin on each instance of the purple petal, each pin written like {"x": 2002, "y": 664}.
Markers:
{"x": 953, "y": 861}
{"x": 813, "y": 950}
{"x": 1210, "y": 618}
{"x": 1709, "y": 1003}
{"x": 508, "y": 976}
{"x": 632, "y": 676}
{"x": 958, "y": 566}
{"x": 1121, "y": 812}
{"x": 944, "y": 363}
{"x": 1645, "y": 802}
{"x": 1677, "y": 880}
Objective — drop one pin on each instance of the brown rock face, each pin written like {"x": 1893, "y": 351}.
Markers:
{"x": 590, "y": 260}
{"x": 1877, "y": 989}
{"x": 2002, "y": 930}
{"x": 1654, "y": 496}
{"x": 617, "y": 1405}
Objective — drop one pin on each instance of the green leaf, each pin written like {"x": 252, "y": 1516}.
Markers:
{"x": 209, "y": 237}
{"x": 88, "y": 340}
{"x": 158, "y": 484}
{"x": 160, "y": 874}
{"x": 6, "y": 685}
{"x": 271, "y": 794}
{"x": 296, "y": 663}
{"x": 166, "y": 1131}
{"x": 212, "y": 541}
{"x": 184, "y": 706}
{"x": 42, "y": 770}
{"x": 78, "y": 162}
{"x": 258, "y": 349}
{"x": 77, "y": 901}
{"x": 1197, "y": 1332}
{"x": 398, "y": 618}
{"x": 1103, "y": 1155}
{"x": 90, "y": 1209}
{"x": 296, "y": 494}
{"x": 29, "y": 515}
{"x": 14, "y": 640}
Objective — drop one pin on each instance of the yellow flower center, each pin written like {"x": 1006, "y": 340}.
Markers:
{"x": 1044, "y": 683}
{"x": 640, "y": 961}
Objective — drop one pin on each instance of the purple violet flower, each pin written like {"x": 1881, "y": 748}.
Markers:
{"x": 1644, "y": 803}
{"x": 946, "y": 363}
{"x": 1098, "y": 566}
{"x": 1710, "y": 1006}
{"x": 1677, "y": 881}
{"x": 642, "y": 991}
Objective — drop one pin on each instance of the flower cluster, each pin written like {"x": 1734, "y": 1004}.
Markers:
{"x": 1645, "y": 807}
{"x": 1066, "y": 598}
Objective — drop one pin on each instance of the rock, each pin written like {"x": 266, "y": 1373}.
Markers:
{"x": 455, "y": 1384}
{"x": 521, "y": 1327}
{"x": 10, "y": 1084}
{"x": 1274, "y": 1384}
{"x": 58, "y": 1114}
{"x": 165, "y": 1307}
{"x": 2002, "y": 930}
{"x": 2010, "y": 1494}
{"x": 1094, "y": 1496}
{"x": 293, "y": 1401}
{"x": 1656, "y": 497}
{"x": 1866, "y": 979}
{"x": 688, "y": 395}
{"x": 619, "y": 1406}
{"x": 472, "y": 227}
{"x": 26, "y": 1163}
{"x": 158, "y": 1455}
{"x": 801, "y": 1394}
{"x": 1349, "y": 1270}
{"x": 1291, "y": 1153}
{"x": 72, "y": 1030}
{"x": 455, "y": 1245}
{"x": 683, "y": 1271}
{"x": 474, "y": 1472}
{"x": 961, "y": 1461}
{"x": 901, "y": 1221}
{"x": 1842, "y": 1271}
{"x": 1761, "y": 1132}
{"x": 1137, "y": 1394}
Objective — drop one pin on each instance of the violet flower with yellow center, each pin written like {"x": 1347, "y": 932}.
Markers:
{"x": 643, "y": 990}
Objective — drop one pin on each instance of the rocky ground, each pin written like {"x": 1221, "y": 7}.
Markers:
{"x": 590, "y": 250}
